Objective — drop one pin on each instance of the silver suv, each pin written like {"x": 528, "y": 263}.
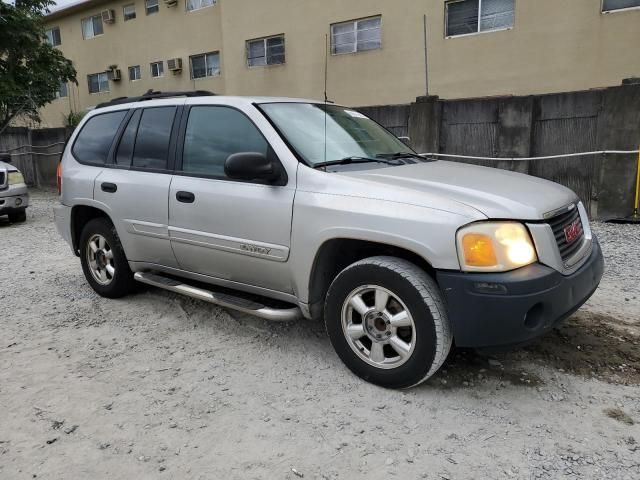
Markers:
{"x": 285, "y": 208}
{"x": 14, "y": 195}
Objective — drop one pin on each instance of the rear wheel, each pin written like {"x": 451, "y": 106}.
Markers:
{"x": 103, "y": 260}
{"x": 387, "y": 321}
{"x": 18, "y": 217}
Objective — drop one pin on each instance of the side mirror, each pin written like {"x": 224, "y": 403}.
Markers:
{"x": 5, "y": 157}
{"x": 405, "y": 140}
{"x": 250, "y": 166}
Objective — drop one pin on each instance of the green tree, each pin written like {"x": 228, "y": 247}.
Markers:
{"x": 30, "y": 69}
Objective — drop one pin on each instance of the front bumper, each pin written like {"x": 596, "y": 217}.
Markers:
{"x": 14, "y": 199}
{"x": 496, "y": 309}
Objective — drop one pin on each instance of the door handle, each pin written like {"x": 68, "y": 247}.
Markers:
{"x": 185, "y": 197}
{"x": 109, "y": 187}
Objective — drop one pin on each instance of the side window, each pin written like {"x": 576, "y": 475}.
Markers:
{"x": 152, "y": 142}
{"x": 128, "y": 140}
{"x": 214, "y": 133}
{"x": 95, "y": 138}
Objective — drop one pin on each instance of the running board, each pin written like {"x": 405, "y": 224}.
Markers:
{"x": 221, "y": 299}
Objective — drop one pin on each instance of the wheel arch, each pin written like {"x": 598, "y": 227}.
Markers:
{"x": 80, "y": 215}
{"x": 334, "y": 255}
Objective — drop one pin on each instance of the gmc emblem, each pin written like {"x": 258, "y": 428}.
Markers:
{"x": 572, "y": 231}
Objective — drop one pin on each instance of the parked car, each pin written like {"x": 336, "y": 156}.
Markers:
{"x": 285, "y": 208}
{"x": 14, "y": 196}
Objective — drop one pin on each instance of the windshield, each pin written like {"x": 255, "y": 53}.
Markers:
{"x": 349, "y": 134}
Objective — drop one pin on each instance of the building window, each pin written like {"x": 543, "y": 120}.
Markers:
{"x": 265, "y": 51}
{"x": 205, "y": 65}
{"x": 473, "y": 16}
{"x": 613, "y": 5}
{"x": 129, "y": 12}
{"x": 356, "y": 35}
{"x": 63, "y": 90}
{"x": 53, "y": 36}
{"x": 92, "y": 27}
{"x": 98, "y": 82}
{"x": 135, "y": 73}
{"x": 157, "y": 69}
{"x": 151, "y": 6}
{"x": 198, "y": 4}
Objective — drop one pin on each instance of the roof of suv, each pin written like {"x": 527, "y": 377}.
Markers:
{"x": 177, "y": 98}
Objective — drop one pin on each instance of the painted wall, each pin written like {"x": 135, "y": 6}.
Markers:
{"x": 554, "y": 46}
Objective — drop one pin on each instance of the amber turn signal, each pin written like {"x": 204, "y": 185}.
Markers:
{"x": 478, "y": 250}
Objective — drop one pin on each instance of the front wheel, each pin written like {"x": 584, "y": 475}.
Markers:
{"x": 386, "y": 320}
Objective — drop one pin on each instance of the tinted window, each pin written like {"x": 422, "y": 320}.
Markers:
{"x": 152, "y": 142}
{"x": 214, "y": 133}
{"x": 95, "y": 139}
{"x": 125, "y": 149}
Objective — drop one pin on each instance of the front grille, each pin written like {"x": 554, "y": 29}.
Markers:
{"x": 558, "y": 224}
{"x": 2, "y": 179}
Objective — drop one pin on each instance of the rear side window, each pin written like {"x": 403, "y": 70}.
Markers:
{"x": 95, "y": 139}
{"x": 152, "y": 141}
{"x": 214, "y": 133}
{"x": 128, "y": 140}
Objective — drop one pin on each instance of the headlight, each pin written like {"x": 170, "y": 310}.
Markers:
{"x": 494, "y": 247}
{"x": 15, "y": 178}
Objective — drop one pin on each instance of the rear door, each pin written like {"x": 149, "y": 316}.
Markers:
{"x": 136, "y": 185}
{"x": 233, "y": 230}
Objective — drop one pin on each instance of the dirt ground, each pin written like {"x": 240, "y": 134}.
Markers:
{"x": 160, "y": 386}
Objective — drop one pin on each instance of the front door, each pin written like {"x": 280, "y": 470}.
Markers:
{"x": 235, "y": 231}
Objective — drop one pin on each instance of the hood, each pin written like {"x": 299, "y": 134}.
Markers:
{"x": 7, "y": 166}
{"x": 496, "y": 193}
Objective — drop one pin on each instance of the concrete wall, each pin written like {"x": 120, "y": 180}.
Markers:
{"x": 554, "y": 46}
{"x": 606, "y": 119}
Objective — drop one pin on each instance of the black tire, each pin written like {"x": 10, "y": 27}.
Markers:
{"x": 122, "y": 282}
{"x": 420, "y": 294}
{"x": 18, "y": 217}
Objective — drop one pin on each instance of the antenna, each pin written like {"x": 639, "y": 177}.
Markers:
{"x": 326, "y": 65}
{"x": 326, "y": 74}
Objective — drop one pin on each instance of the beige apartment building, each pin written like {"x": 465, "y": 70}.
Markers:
{"x": 376, "y": 48}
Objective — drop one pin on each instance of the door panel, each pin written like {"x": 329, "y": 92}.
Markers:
{"x": 138, "y": 198}
{"x": 140, "y": 213}
{"x": 234, "y": 231}
{"x": 237, "y": 231}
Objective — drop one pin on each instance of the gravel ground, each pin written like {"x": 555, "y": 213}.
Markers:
{"x": 161, "y": 386}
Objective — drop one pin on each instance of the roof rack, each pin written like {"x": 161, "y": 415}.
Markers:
{"x": 153, "y": 95}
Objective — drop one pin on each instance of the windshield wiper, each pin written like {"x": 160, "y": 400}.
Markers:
{"x": 400, "y": 155}
{"x": 355, "y": 159}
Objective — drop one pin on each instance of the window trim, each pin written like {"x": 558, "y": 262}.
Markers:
{"x": 99, "y": 91}
{"x": 66, "y": 84}
{"x": 355, "y": 31}
{"x": 124, "y": 121}
{"x": 266, "y": 56}
{"x": 478, "y": 32}
{"x": 182, "y": 133}
{"x": 173, "y": 139}
{"x": 59, "y": 36}
{"x": 186, "y": 6}
{"x": 616, "y": 10}
{"x": 139, "y": 73}
{"x": 215, "y": 52}
{"x": 146, "y": 8}
{"x": 87, "y": 18}
{"x": 161, "y": 62}
{"x": 124, "y": 15}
